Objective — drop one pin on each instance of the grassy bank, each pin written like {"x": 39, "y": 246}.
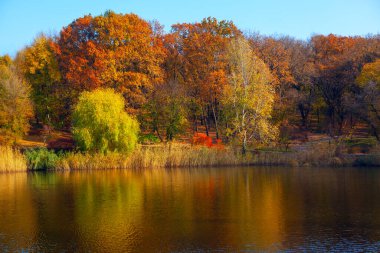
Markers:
{"x": 163, "y": 156}
{"x": 179, "y": 155}
{"x": 11, "y": 160}
{"x": 182, "y": 155}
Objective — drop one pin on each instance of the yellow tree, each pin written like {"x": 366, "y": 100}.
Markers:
{"x": 369, "y": 99}
{"x": 249, "y": 96}
{"x": 38, "y": 65}
{"x": 15, "y": 106}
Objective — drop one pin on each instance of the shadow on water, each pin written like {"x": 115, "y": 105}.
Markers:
{"x": 228, "y": 209}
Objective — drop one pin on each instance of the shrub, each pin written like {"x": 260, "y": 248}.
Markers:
{"x": 100, "y": 123}
{"x": 148, "y": 139}
{"x": 41, "y": 159}
{"x": 202, "y": 140}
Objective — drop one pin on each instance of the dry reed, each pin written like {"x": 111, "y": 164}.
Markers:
{"x": 11, "y": 160}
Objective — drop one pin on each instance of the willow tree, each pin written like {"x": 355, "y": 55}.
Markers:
{"x": 100, "y": 123}
{"x": 249, "y": 96}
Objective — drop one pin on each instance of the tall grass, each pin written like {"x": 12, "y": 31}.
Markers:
{"x": 11, "y": 160}
{"x": 161, "y": 156}
{"x": 183, "y": 155}
{"x": 175, "y": 156}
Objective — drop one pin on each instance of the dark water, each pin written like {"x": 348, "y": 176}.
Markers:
{"x": 198, "y": 210}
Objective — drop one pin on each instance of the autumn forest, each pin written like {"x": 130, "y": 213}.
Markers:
{"x": 205, "y": 82}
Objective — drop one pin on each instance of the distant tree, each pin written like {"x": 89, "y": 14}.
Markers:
{"x": 16, "y": 108}
{"x": 276, "y": 56}
{"x": 100, "y": 123}
{"x": 338, "y": 61}
{"x": 249, "y": 96}
{"x": 369, "y": 99}
{"x": 302, "y": 94}
{"x": 38, "y": 65}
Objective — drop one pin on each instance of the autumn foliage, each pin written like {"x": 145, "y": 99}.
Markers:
{"x": 204, "y": 77}
{"x": 112, "y": 50}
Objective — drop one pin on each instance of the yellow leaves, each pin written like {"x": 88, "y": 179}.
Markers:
{"x": 250, "y": 94}
{"x": 370, "y": 73}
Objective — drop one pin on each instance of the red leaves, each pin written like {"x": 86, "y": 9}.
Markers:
{"x": 201, "y": 139}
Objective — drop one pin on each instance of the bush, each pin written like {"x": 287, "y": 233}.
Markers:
{"x": 100, "y": 123}
{"x": 202, "y": 140}
{"x": 360, "y": 145}
{"x": 148, "y": 139}
{"x": 41, "y": 159}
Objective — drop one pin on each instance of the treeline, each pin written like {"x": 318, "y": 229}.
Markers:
{"x": 205, "y": 76}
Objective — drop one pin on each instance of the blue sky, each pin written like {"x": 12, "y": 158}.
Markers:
{"x": 22, "y": 20}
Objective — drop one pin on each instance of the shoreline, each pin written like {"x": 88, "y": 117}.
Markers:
{"x": 180, "y": 156}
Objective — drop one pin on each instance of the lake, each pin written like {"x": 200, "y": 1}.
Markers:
{"x": 197, "y": 210}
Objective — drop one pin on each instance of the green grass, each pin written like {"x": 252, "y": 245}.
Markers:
{"x": 41, "y": 159}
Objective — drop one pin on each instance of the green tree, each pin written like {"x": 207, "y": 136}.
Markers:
{"x": 100, "y": 123}
{"x": 16, "y": 108}
{"x": 249, "y": 96}
{"x": 165, "y": 110}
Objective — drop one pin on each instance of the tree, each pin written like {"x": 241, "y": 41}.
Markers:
{"x": 201, "y": 49}
{"x": 166, "y": 111}
{"x": 100, "y": 123}
{"x": 112, "y": 50}
{"x": 338, "y": 61}
{"x": 16, "y": 108}
{"x": 38, "y": 65}
{"x": 369, "y": 99}
{"x": 274, "y": 54}
{"x": 303, "y": 94}
{"x": 249, "y": 96}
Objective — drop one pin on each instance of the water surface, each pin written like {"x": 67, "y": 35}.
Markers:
{"x": 197, "y": 210}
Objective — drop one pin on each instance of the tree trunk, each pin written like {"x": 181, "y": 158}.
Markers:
{"x": 244, "y": 144}
{"x": 216, "y": 122}
{"x": 205, "y": 122}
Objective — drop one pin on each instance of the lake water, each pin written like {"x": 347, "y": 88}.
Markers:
{"x": 197, "y": 210}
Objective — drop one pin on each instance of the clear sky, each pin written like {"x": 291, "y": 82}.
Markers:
{"x": 22, "y": 20}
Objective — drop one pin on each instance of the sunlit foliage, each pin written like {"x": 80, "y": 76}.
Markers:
{"x": 16, "y": 108}
{"x": 100, "y": 123}
{"x": 39, "y": 66}
{"x": 118, "y": 51}
{"x": 249, "y": 96}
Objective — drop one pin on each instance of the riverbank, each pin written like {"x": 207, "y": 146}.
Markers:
{"x": 177, "y": 155}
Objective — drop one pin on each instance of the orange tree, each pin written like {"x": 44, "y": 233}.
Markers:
{"x": 112, "y": 50}
{"x": 200, "y": 50}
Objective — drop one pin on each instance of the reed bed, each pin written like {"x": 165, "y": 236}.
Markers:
{"x": 182, "y": 155}
{"x": 163, "y": 156}
{"x": 177, "y": 155}
{"x": 11, "y": 160}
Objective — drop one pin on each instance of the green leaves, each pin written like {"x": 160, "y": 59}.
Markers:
{"x": 100, "y": 123}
